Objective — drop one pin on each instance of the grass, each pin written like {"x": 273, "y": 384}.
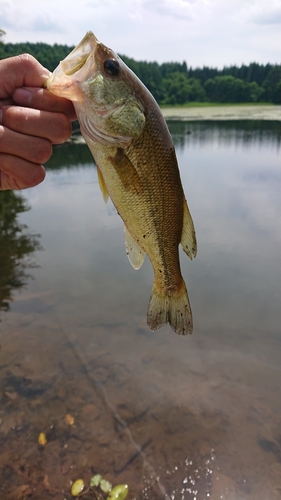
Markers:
{"x": 210, "y": 104}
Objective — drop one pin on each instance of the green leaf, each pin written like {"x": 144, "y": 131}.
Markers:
{"x": 95, "y": 480}
{"x": 105, "y": 485}
{"x": 119, "y": 492}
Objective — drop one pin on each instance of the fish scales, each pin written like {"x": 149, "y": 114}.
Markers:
{"x": 160, "y": 183}
{"x": 137, "y": 168}
{"x": 149, "y": 228}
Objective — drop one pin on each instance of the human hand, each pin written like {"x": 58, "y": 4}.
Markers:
{"x": 31, "y": 120}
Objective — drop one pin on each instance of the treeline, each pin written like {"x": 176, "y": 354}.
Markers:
{"x": 175, "y": 83}
{"x": 48, "y": 55}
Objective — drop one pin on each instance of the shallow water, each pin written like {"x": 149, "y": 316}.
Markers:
{"x": 194, "y": 417}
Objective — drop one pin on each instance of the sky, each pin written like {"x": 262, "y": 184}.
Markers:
{"x": 213, "y": 33}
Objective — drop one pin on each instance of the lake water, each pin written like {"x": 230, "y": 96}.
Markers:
{"x": 196, "y": 417}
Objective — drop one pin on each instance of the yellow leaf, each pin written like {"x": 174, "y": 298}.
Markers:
{"x": 42, "y": 440}
{"x": 77, "y": 487}
{"x": 69, "y": 419}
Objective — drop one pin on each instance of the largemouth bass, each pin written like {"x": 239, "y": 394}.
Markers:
{"x": 137, "y": 168}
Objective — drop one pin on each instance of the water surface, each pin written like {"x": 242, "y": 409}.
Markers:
{"x": 194, "y": 417}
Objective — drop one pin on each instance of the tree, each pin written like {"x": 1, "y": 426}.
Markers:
{"x": 230, "y": 89}
{"x": 176, "y": 88}
{"x": 271, "y": 85}
{"x": 197, "y": 91}
{"x": 2, "y": 33}
{"x": 174, "y": 82}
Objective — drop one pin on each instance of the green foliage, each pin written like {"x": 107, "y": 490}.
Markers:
{"x": 99, "y": 489}
{"x": 48, "y": 55}
{"x": 174, "y": 82}
{"x": 2, "y": 33}
{"x": 230, "y": 89}
{"x": 179, "y": 89}
{"x": 272, "y": 85}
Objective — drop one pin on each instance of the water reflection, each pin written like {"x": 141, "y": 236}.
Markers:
{"x": 175, "y": 418}
{"x": 222, "y": 133}
{"x": 239, "y": 133}
{"x": 17, "y": 247}
{"x": 69, "y": 155}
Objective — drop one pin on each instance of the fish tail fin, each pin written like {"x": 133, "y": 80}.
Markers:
{"x": 172, "y": 307}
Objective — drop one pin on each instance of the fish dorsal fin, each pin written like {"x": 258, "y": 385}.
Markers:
{"x": 102, "y": 185}
{"x": 188, "y": 236}
{"x": 135, "y": 254}
{"x": 126, "y": 171}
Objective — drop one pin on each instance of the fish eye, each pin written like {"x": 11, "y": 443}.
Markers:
{"x": 111, "y": 67}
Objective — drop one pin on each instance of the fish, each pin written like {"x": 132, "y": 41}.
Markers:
{"x": 137, "y": 167}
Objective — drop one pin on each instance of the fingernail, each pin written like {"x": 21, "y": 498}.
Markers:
{"x": 22, "y": 96}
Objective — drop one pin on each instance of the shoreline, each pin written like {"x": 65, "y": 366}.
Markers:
{"x": 214, "y": 113}
{"x": 225, "y": 112}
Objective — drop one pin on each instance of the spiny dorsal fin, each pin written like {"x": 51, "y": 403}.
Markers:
{"x": 188, "y": 236}
{"x": 135, "y": 254}
{"x": 102, "y": 185}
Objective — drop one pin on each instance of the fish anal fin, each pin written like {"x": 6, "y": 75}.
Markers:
{"x": 173, "y": 308}
{"x": 188, "y": 236}
{"x": 102, "y": 184}
{"x": 135, "y": 254}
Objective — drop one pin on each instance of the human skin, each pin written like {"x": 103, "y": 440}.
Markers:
{"x": 31, "y": 121}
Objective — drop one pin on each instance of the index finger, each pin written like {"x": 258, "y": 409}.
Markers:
{"x": 21, "y": 71}
{"x": 42, "y": 99}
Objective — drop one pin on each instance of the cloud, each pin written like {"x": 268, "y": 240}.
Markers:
{"x": 201, "y": 32}
{"x": 273, "y": 17}
{"x": 262, "y": 13}
{"x": 7, "y": 14}
{"x": 24, "y": 19}
{"x": 97, "y": 4}
{"x": 43, "y": 22}
{"x": 178, "y": 9}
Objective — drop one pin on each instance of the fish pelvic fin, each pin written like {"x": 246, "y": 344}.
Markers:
{"x": 173, "y": 308}
{"x": 188, "y": 236}
{"x": 135, "y": 254}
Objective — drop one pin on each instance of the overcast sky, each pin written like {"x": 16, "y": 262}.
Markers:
{"x": 200, "y": 32}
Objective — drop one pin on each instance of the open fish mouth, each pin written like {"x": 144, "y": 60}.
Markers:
{"x": 78, "y": 57}
{"x": 74, "y": 68}
{"x": 69, "y": 80}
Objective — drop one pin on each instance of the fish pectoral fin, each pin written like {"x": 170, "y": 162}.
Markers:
{"x": 126, "y": 171}
{"x": 135, "y": 254}
{"x": 102, "y": 184}
{"x": 188, "y": 236}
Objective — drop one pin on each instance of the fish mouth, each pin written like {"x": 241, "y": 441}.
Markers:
{"x": 78, "y": 57}
{"x": 65, "y": 77}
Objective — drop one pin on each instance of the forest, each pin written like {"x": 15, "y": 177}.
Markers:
{"x": 174, "y": 83}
